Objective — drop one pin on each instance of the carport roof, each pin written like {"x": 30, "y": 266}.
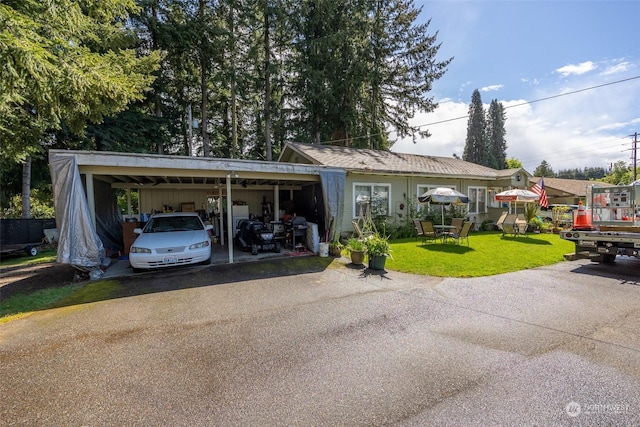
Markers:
{"x": 128, "y": 170}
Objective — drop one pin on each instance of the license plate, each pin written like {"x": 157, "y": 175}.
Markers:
{"x": 170, "y": 260}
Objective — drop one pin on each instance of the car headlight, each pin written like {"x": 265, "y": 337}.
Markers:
{"x": 137, "y": 250}
{"x": 199, "y": 245}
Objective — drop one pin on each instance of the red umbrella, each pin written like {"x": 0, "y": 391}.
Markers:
{"x": 517, "y": 195}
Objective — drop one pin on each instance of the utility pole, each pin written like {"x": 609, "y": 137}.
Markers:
{"x": 635, "y": 155}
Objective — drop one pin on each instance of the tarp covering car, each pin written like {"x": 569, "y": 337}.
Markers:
{"x": 333, "y": 183}
{"x": 78, "y": 244}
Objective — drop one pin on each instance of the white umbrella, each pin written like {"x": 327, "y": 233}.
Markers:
{"x": 443, "y": 196}
{"x": 517, "y": 195}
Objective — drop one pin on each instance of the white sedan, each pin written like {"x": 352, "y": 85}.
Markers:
{"x": 169, "y": 240}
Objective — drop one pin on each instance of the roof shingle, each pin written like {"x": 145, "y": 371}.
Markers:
{"x": 364, "y": 160}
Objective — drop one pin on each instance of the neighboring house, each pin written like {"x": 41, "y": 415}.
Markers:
{"x": 389, "y": 182}
{"x": 567, "y": 191}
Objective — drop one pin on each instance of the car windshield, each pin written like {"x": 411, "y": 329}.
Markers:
{"x": 173, "y": 223}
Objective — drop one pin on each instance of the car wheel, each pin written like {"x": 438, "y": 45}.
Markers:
{"x": 254, "y": 249}
{"x": 277, "y": 247}
{"x": 33, "y": 251}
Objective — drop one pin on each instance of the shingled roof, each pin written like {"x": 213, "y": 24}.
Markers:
{"x": 561, "y": 186}
{"x": 386, "y": 162}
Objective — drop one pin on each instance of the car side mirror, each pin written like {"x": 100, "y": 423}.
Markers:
{"x": 137, "y": 230}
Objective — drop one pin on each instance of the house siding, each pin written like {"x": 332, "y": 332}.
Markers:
{"x": 404, "y": 195}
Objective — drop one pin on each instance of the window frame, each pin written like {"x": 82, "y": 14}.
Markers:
{"x": 473, "y": 203}
{"x": 371, "y": 185}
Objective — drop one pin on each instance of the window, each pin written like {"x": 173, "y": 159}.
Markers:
{"x": 373, "y": 198}
{"x": 477, "y": 199}
{"x": 493, "y": 203}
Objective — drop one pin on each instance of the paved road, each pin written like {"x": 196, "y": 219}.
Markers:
{"x": 334, "y": 346}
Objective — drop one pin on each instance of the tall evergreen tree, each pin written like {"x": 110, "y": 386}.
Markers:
{"x": 544, "y": 170}
{"x": 475, "y": 148}
{"x": 496, "y": 133}
{"x": 402, "y": 70}
{"x": 63, "y": 62}
{"x": 364, "y": 67}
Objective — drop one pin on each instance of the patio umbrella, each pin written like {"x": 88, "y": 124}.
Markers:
{"x": 517, "y": 195}
{"x": 443, "y": 196}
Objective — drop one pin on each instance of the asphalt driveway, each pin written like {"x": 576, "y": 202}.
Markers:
{"x": 316, "y": 342}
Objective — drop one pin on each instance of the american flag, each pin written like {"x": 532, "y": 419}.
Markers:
{"x": 538, "y": 188}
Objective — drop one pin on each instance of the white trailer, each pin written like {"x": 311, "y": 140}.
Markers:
{"x": 609, "y": 226}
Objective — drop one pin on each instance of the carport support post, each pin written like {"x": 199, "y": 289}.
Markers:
{"x": 229, "y": 220}
{"x": 129, "y": 202}
{"x": 276, "y": 202}
{"x": 91, "y": 198}
{"x": 220, "y": 219}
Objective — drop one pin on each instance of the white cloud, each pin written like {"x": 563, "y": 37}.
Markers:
{"x": 616, "y": 68}
{"x": 578, "y": 69}
{"x": 585, "y": 129}
{"x": 491, "y": 88}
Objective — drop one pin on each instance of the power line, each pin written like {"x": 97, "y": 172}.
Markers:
{"x": 573, "y": 92}
{"x": 510, "y": 106}
{"x": 572, "y": 151}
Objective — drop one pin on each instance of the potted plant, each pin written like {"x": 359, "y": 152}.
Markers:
{"x": 378, "y": 249}
{"x": 357, "y": 249}
{"x": 335, "y": 248}
{"x": 535, "y": 224}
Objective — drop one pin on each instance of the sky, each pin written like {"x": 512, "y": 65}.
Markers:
{"x": 583, "y": 55}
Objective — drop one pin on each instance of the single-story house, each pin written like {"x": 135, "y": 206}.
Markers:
{"x": 390, "y": 182}
{"x": 329, "y": 185}
{"x": 567, "y": 191}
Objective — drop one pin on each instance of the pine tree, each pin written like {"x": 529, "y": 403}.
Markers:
{"x": 496, "y": 132}
{"x": 475, "y": 149}
{"x": 63, "y": 63}
{"x": 363, "y": 67}
{"x": 402, "y": 70}
{"x": 544, "y": 170}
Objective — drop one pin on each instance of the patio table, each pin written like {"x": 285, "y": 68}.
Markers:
{"x": 443, "y": 230}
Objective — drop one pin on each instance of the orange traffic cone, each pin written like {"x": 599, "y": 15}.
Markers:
{"x": 581, "y": 221}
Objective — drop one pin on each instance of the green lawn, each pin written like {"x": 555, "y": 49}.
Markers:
{"x": 488, "y": 253}
{"x": 48, "y": 255}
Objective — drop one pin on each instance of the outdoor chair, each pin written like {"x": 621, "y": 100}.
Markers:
{"x": 521, "y": 225}
{"x": 509, "y": 225}
{"x": 428, "y": 231}
{"x": 463, "y": 234}
{"x": 501, "y": 220}
{"x": 457, "y": 223}
{"x": 419, "y": 232}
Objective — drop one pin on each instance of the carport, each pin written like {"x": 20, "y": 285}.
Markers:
{"x": 90, "y": 223}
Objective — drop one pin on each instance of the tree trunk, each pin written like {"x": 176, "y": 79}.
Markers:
{"x": 189, "y": 145}
{"x": 26, "y": 188}
{"x": 203, "y": 90}
{"x": 157, "y": 102}
{"x": 203, "y": 110}
{"x": 267, "y": 89}
{"x": 234, "y": 108}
